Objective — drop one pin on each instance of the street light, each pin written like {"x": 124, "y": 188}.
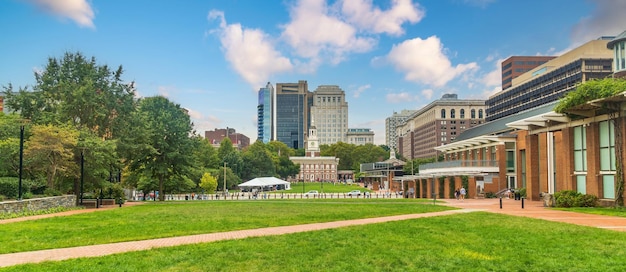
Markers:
{"x": 224, "y": 179}
{"x": 19, "y": 195}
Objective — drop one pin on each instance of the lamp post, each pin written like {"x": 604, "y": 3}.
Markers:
{"x": 82, "y": 174}
{"x": 224, "y": 179}
{"x": 19, "y": 195}
{"x": 322, "y": 176}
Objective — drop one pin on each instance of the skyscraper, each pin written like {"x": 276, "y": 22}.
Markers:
{"x": 330, "y": 112}
{"x": 291, "y": 113}
{"x": 264, "y": 113}
{"x": 391, "y": 123}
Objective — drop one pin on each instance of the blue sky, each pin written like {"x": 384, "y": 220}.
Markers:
{"x": 212, "y": 56}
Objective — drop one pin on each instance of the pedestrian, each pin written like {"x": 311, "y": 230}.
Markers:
{"x": 457, "y": 193}
{"x": 462, "y": 192}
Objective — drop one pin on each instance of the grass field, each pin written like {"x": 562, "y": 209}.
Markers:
{"x": 296, "y": 187}
{"x": 157, "y": 220}
{"x": 476, "y": 241}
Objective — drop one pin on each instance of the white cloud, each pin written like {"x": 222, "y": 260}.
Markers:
{"x": 423, "y": 61}
{"x": 360, "y": 89}
{"x": 494, "y": 78}
{"x": 203, "y": 123}
{"x": 249, "y": 51}
{"x": 313, "y": 33}
{"x": 606, "y": 20}
{"x": 428, "y": 93}
{"x": 400, "y": 97}
{"x": 166, "y": 91}
{"x": 78, "y": 11}
{"x": 362, "y": 14}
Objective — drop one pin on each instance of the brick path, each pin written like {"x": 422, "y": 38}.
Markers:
{"x": 509, "y": 206}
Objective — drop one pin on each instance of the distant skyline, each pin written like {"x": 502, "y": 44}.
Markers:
{"x": 212, "y": 57}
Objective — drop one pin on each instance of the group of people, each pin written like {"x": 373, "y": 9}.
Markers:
{"x": 460, "y": 193}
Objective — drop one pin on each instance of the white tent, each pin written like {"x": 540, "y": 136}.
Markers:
{"x": 266, "y": 184}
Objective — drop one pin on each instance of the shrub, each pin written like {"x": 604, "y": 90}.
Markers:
{"x": 51, "y": 192}
{"x": 522, "y": 192}
{"x": 9, "y": 187}
{"x": 569, "y": 198}
{"x": 490, "y": 195}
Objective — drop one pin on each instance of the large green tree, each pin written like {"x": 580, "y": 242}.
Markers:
{"x": 168, "y": 129}
{"x": 258, "y": 162}
{"x": 77, "y": 90}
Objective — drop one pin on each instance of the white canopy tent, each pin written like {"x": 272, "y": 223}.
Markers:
{"x": 265, "y": 184}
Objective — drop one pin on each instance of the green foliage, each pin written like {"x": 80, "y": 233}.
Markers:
{"x": 208, "y": 183}
{"x": 591, "y": 90}
{"x": 52, "y": 192}
{"x": 522, "y": 192}
{"x": 37, "y": 212}
{"x": 569, "y": 198}
{"x": 9, "y": 187}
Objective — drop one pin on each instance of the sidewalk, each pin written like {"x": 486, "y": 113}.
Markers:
{"x": 535, "y": 209}
{"x": 532, "y": 209}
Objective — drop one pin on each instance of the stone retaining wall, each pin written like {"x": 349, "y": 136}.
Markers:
{"x": 38, "y": 204}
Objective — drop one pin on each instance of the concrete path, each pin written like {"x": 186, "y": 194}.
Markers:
{"x": 509, "y": 206}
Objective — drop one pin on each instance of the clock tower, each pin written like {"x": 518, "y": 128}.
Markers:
{"x": 313, "y": 143}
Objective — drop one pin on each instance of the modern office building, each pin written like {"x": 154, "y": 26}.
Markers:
{"x": 360, "y": 136}
{"x": 216, "y": 136}
{"x": 534, "y": 147}
{"x": 438, "y": 123}
{"x": 265, "y": 122}
{"x": 330, "y": 112}
{"x": 550, "y": 81}
{"x": 517, "y": 65}
{"x": 391, "y": 124}
{"x": 291, "y": 113}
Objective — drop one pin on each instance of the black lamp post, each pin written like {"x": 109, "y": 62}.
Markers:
{"x": 82, "y": 174}
{"x": 19, "y": 195}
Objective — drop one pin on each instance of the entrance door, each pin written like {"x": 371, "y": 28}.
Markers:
{"x": 511, "y": 182}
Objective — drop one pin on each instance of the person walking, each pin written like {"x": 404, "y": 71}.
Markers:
{"x": 456, "y": 194}
{"x": 462, "y": 192}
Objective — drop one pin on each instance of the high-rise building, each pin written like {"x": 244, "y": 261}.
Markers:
{"x": 438, "y": 123}
{"x": 291, "y": 113}
{"x": 391, "y": 123}
{"x": 516, "y": 65}
{"x": 264, "y": 113}
{"x": 330, "y": 114}
{"x": 360, "y": 136}
{"x": 552, "y": 80}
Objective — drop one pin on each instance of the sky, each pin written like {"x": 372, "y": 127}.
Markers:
{"x": 212, "y": 56}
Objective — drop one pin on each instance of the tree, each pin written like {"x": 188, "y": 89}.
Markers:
{"x": 9, "y": 144}
{"x": 76, "y": 90}
{"x": 168, "y": 129}
{"x": 592, "y": 90}
{"x": 208, "y": 183}
{"x": 50, "y": 150}
{"x": 258, "y": 162}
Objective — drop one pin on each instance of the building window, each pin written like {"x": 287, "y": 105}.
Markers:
{"x": 480, "y": 114}
{"x": 580, "y": 149}
{"x": 607, "y": 159}
{"x": 443, "y": 113}
{"x": 462, "y": 114}
{"x": 473, "y": 114}
{"x": 452, "y": 114}
{"x": 607, "y": 146}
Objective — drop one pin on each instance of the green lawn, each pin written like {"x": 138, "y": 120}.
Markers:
{"x": 476, "y": 241}
{"x": 296, "y": 187}
{"x": 157, "y": 220}
{"x": 610, "y": 211}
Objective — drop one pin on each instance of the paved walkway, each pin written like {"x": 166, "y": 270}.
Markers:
{"x": 509, "y": 206}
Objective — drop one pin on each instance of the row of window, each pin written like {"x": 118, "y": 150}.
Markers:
{"x": 462, "y": 113}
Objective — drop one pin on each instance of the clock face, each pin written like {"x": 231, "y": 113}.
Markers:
{"x": 312, "y": 144}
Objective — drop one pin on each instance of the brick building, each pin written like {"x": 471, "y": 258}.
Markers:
{"x": 216, "y": 136}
